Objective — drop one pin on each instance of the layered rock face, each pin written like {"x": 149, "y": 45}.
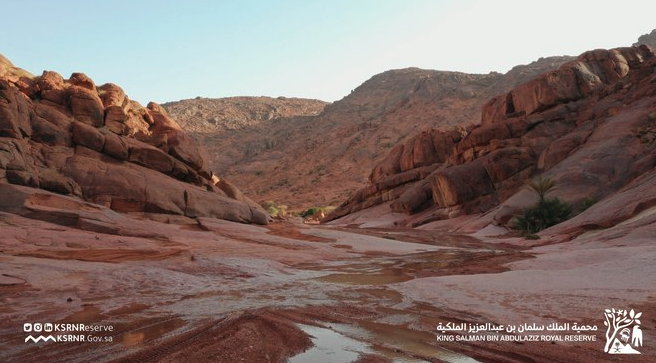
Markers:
{"x": 589, "y": 125}
{"x": 73, "y": 138}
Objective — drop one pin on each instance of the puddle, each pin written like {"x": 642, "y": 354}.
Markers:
{"x": 382, "y": 294}
{"x": 387, "y": 277}
{"x": 151, "y": 332}
{"x": 395, "y": 337}
{"x": 339, "y": 345}
{"x": 329, "y": 347}
{"x": 390, "y": 270}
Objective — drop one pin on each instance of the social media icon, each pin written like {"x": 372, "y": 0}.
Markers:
{"x": 27, "y": 327}
{"x": 47, "y": 327}
{"x": 38, "y": 327}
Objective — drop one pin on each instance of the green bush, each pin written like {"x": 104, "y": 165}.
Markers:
{"x": 275, "y": 209}
{"x": 310, "y": 212}
{"x": 544, "y": 214}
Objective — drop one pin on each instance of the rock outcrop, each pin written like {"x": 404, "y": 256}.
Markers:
{"x": 93, "y": 143}
{"x": 589, "y": 125}
{"x": 647, "y": 39}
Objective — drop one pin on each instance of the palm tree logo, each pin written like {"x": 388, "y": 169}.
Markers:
{"x": 620, "y": 339}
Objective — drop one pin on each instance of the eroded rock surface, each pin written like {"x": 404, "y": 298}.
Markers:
{"x": 93, "y": 143}
{"x": 588, "y": 125}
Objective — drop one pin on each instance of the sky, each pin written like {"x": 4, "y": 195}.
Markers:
{"x": 170, "y": 50}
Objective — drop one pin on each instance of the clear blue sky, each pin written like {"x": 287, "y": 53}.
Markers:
{"x": 170, "y": 50}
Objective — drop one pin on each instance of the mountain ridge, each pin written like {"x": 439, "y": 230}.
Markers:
{"x": 287, "y": 161}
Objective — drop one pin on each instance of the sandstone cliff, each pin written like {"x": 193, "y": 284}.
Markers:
{"x": 589, "y": 125}
{"x": 71, "y": 142}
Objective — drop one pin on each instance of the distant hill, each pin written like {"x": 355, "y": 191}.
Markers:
{"x": 647, "y": 39}
{"x": 235, "y": 129}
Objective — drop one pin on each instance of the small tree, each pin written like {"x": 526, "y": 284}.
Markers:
{"x": 546, "y": 212}
{"x": 541, "y": 186}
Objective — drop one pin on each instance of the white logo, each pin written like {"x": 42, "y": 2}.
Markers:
{"x": 40, "y": 338}
{"x": 623, "y": 333}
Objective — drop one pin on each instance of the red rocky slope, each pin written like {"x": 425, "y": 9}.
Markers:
{"x": 70, "y": 141}
{"x": 589, "y": 125}
{"x": 308, "y": 160}
{"x": 234, "y": 129}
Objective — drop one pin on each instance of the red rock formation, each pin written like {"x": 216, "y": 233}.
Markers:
{"x": 588, "y": 125}
{"x": 591, "y": 72}
{"x": 282, "y": 149}
{"x": 71, "y": 137}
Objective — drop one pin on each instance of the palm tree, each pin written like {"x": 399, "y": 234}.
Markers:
{"x": 541, "y": 186}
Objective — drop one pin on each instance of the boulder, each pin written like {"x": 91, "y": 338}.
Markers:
{"x": 428, "y": 148}
{"x": 413, "y": 199}
{"x": 149, "y": 157}
{"x": 50, "y": 179}
{"x": 460, "y": 184}
{"x": 48, "y": 133}
{"x": 388, "y": 166}
{"x": 85, "y": 105}
{"x": 88, "y": 136}
{"x": 165, "y": 131}
{"x": 116, "y": 119}
{"x": 545, "y": 91}
{"x": 497, "y": 109}
{"x": 51, "y": 87}
{"x": 116, "y": 146}
{"x": 137, "y": 121}
{"x": 82, "y": 80}
{"x": 112, "y": 95}
{"x": 14, "y": 112}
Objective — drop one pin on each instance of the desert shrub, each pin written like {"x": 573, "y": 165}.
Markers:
{"x": 275, "y": 209}
{"x": 310, "y": 212}
{"x": 544, "y": 214}
{"x": 314, "y": 210}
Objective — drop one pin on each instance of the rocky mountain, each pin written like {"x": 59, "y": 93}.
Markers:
{"x": 234, "y": 129}
{"x": 307, "y": 160}
{"x": 590, "y": 126}
{"x": 206, "y": 115}
{"x": 76, "y": 153}
{"x": 647, "y": 39}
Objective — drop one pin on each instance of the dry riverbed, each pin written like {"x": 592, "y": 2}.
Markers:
{"x": 216, "y": 291}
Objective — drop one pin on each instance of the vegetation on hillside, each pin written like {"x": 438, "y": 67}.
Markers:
{"x": 546, "y": 212}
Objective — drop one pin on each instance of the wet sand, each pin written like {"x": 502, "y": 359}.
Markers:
{"x": 225, "y": 292}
